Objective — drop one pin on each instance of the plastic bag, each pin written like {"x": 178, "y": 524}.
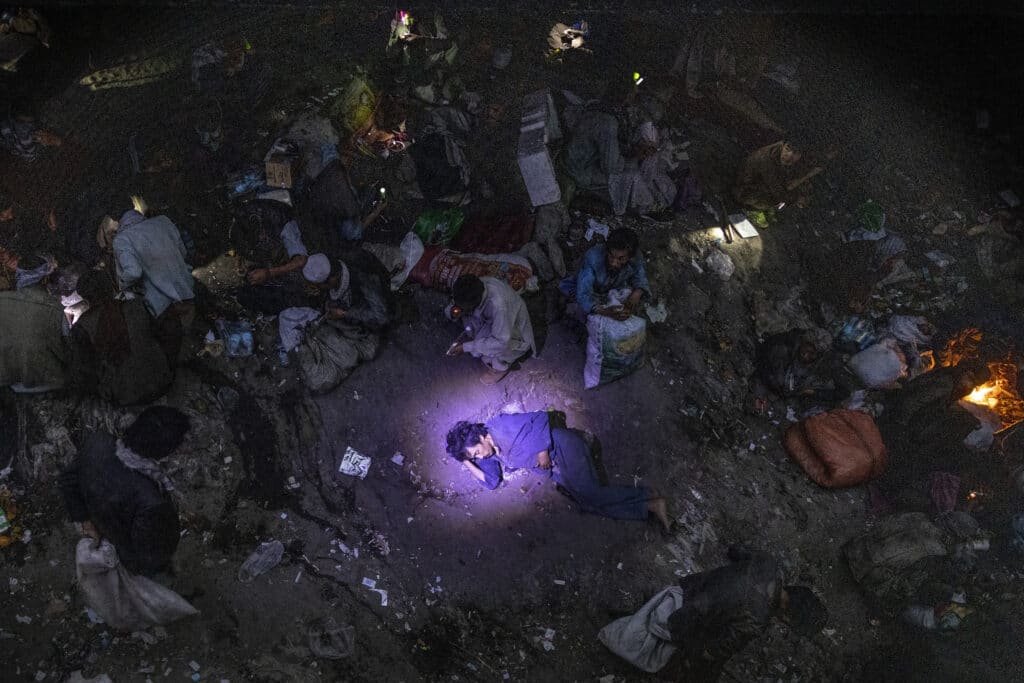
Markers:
{"x": 719, "y": 263}
{"x": 124, "y": 601}
{"x": 331, "y": 351}
{"x": 355, "y": 107}
{"x": 614, "y": 348}
{"x": 237, "y": 336}
{"x": 438, "y": 226}
{"x": 643, "y": 639}
{"x": 880, "y": 366}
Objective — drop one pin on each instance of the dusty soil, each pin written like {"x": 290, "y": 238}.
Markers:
{"x": 475, "y": 578}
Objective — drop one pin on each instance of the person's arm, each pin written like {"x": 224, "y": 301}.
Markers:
{"x": 297, "y": 254}
{"x": 71, "y": 492}
{"x": 612, "y": 160}
{"x": 500, "y": 332}
{"x": 793, "y": 184}
{"x": 585, "y": 286}
{"x": 486, "y": 471}
{"x": 639, "y": 284}
{"x": 129, "y": 267}
{"x": 374, "y": 214}
{"x": 83, "y": 360}
{"x": 154, "y": 537}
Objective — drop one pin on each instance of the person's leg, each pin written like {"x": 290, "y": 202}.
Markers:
{"x": 575, "y": 472}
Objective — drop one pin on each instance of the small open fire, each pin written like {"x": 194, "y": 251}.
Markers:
{"x": 1000, "y": 394}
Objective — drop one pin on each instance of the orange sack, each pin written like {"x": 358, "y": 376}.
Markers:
{"x": 838, "y": 448}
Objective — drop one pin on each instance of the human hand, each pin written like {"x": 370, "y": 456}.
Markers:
{"x": 615, "y": 312}
{"x": 335, "y": 313}
{"x": 544, "y": 460}
{"x": 258, "y": 276}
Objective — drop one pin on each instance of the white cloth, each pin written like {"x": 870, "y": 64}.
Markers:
{"x": 502, "y": 331}
{"x": 291, "y": 322}
{"x": 124, "y": 601}
{"x": 643, "y": 639}
{"x": 317, "y": 269}
{"x": 144, "y": 466}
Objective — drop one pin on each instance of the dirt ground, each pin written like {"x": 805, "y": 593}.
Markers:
{"x": 475, "y": 579}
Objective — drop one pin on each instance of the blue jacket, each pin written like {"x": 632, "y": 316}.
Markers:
{"x": 593, "y": 281}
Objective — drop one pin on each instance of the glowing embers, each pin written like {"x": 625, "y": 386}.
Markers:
{"x": 1000, "y": 394}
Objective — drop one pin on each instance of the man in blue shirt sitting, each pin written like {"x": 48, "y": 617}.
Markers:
{"x": 615, "y": 265}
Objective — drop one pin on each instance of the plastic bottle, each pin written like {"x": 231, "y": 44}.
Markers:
{"x": 263, "y": 559}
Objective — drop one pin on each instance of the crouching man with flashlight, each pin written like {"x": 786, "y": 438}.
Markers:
{"x": 497, "y": 327}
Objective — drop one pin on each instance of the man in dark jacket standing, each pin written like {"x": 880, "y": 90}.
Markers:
{"x": 116, "y": 489}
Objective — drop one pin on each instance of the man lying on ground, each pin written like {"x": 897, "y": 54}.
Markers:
{"x": 527, "y": 440}
{"x": 716, "y": 613}
{"x": 498, "y": 322}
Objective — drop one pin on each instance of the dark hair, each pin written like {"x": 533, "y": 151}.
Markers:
{"x": 95, "y": 287}
{"x": 157, "y": 431}
{"x": 462, "y": 436}
{"x": 622, "y": 238}
{"x": 807, "y": 615}
{"x": 390, "y": 113}
{"x": 468, "y": 292}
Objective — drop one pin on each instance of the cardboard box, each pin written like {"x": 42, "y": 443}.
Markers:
{"x": 282, "y": 170}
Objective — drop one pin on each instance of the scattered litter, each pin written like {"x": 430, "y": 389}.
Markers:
{"x": 93, "y": 616}
{"x": 354, "y": 464}
{"x": 559, "y": 582}
{"x": 292, "y": 484}
{"x": 262, "y": 560}
{"x": 595, "y": 228}
{"x": 941, "y": 259}
{"x": 791, "y": 415}
{"x": 194, "y": 665}
{"x": 369, "y": 583}
{"x": 398, "y": 459}
{"x": 546, "y": 641}
{"x": 656, "y": 314}
{"x": 383, "y": 596}
{"x": 329, "y": 640}
{"x": 719, "y": 263}
{"x": 743, "y": 227}
{"x": 22, "y": 620}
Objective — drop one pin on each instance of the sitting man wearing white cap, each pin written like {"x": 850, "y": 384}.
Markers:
{"x": 354, "y": 291}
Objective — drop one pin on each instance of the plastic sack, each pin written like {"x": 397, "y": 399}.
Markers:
{"x": 614, "y": 348}
{"x": 398, "y": 260}
{"x": 838, "y": 448}
{"x": 880, "y": 366}
{"x": 719, "y": 263}
{"x": 355, "y": 107}
{"x": 124, "y": 601}
{"x": 438, "y": 226}
{"x": 440, "y": 268}
{"x": 879, "y": 557}
{"x": 331, "y": 351}
{"x": 911, "y": 329}
{"x": 643, "y": 639}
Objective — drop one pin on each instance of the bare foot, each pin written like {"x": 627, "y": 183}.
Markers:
{"x": 659, "y": 508}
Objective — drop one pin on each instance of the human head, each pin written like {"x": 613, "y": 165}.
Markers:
{"x": 791, "y": 151}
{"x": 390, "y": 114}
{"x": 317, "y": 269}
{"x": 802, "y": 610}
{"x": 467, "y": 441}
{"x": 468, "y": 292}
{"x": 95, "y": 287}
{"x": 156, "y": 432}
{"x": 620, "y": 247}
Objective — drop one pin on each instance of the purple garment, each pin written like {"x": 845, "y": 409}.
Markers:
{"x": 520, "y": 438}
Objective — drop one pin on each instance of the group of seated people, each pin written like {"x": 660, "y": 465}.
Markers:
{"x": 121, "y": 335}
